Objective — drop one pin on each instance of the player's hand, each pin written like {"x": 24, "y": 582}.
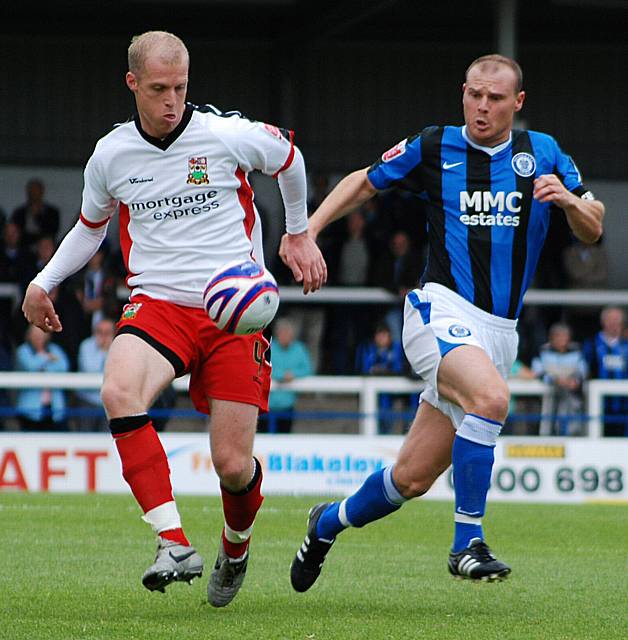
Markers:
{"x": 549, "y": 188}
{"x": 303, "y": 257}
{"x": 39, "y": 310}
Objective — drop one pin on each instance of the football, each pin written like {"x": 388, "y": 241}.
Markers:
{"x": 241, "y": 298}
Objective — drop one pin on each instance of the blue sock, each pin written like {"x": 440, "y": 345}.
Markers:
{"x": 376, "y": 498}
{"x": 472, "y": 458}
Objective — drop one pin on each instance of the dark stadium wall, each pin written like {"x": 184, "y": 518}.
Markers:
{"x": 347, "y": 101}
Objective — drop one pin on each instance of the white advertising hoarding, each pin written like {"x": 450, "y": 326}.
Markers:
{"x": 530, "y": 469}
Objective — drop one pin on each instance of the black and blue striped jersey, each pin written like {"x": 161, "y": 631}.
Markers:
{"x": 485, "y": 230}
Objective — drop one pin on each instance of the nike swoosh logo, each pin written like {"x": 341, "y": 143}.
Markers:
{"x": 464, "y": 513}
{"x": 182, "y": 557}
{"x": 447, "y": 165}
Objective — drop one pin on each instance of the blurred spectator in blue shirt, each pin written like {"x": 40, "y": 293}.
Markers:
{"x": 290, "y": 360}
{"x": 91, "y": 359}
{"x": 41, "y": 409}
{"x": 381, "y": 356}
{"x": 561, "y": 364}
{"x": 607, "y": 356}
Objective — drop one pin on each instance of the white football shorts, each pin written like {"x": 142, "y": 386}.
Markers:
{"x": 436, "y": 320}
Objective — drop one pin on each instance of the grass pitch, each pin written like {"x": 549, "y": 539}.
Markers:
{"x": 72, "y": 567}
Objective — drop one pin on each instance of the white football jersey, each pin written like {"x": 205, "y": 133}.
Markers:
{"x": 185, "y": 203}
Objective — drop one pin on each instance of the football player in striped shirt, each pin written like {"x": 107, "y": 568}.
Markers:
{"x": 488, "y": 191}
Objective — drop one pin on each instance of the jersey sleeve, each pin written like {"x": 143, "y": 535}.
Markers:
{"x": 395, "y": 166}
{"x": 567, "y": 171}
{"x": 97, "y": 205}
{"x": 264, "y": 147}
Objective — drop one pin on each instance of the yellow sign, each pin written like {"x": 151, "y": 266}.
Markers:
{"x": 535, "y": 451}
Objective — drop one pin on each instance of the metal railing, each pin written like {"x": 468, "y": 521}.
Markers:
{"x": 367, "y": 388}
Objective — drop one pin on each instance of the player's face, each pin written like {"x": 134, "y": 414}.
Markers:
{"x": 160, "y": 92}
{"x": 490, "y": 101}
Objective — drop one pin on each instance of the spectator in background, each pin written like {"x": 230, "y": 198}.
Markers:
{"x": 607, "y": 357}
{"x": 17, "y": 267}
{"x": 519, "y": 407}
{"x": 96, "y": 293}
{"x": 44, "y": 250}
{"x": 354, "y": 253}
{"x": 561, "y": 364}
{"x": 331, "y": 239}
{"x": 41, "y": 409}
{"x": 36, "y": 218}
{"x": 398, "y": 271}
{"x": 65, "y": 301}
{"x": 350, "y": 325}
{"x": 381, "y": 356}
{"x": 550, "y": 273}
{"x": 586, "y": 266}
{"x": 33, "y": 261}
{"x": 5, "y": 365}
{"x": 17, "y": 263}
{"x": 290, "y": 360}
{"x": 91, "y": 359}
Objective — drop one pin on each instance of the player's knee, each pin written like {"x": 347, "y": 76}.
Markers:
{"x": 412, "y": 484}
{"x": 234, "y": 471}
{"x": 116, "y": 398}
{"x": 492, "y": 403}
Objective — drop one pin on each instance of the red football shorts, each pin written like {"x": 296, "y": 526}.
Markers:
{"x": 221, "y": 366}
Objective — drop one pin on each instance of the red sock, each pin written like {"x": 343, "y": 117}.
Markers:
{"x": 145, "y": 466}
{"x": 240, "y": 510}
{"x": 176, "y": 535}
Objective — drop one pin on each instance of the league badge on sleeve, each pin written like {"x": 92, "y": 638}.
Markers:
{"x": 197, "y": 171}
{"x": 398, "y": 150}
{"x": 273, "y": 130}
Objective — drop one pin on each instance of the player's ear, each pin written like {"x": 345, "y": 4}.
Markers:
{"x": 519, "y": 100}
{"x": 131, "y": 81}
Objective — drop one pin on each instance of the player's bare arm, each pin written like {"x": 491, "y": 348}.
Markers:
{"x": 583, "y": 215}
{"x": 351, "y": 192}
{"x": 300, "y": 253}
{"x": 39, "y": 310}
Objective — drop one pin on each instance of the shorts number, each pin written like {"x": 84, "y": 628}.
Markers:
{"x": 258, "y": 355}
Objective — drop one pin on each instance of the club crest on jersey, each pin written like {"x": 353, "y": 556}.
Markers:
{"x": 197, "y": 171}
{"x": 130, "y": 310}
{"x": 524, "y": 164}
{"x": 458, "y": 331}
{"x": 398, "y": 150}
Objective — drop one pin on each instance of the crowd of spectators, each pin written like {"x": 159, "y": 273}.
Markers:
{"x": 87, "y": 303}
{"x": 383, "y": 244}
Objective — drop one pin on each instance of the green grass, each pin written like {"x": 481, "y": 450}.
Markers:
{"x": 72, "y": 568}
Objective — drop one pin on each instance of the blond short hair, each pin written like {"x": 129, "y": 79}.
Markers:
{"x": 494, "y": 59}
{"x": 170, "y": 48}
